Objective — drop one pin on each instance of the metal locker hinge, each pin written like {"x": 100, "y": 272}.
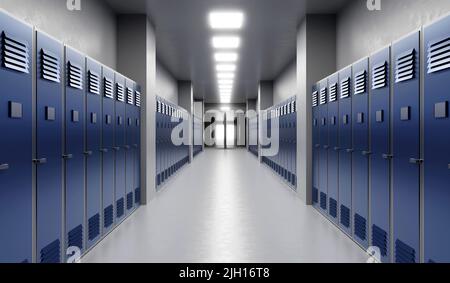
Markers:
{"x": 415, "y": 161}
{"x": 387, "y": 156}
{"x": 4, "y": 167}
{"x": 67, "y": 156}
{"x": 366, "y": 153}
{"x": 88, "y": 153}
{"x": 40, "y": 161}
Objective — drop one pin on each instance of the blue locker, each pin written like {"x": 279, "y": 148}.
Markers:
{"x": 360, "y": 158}
{"x": 333, "y": 151}
{"x": 129, "y": 142}
{"x": 345, "y": 149}
{"x": 437, "y": 139}
{"x": 119, "y": 144}
{"x": 316, "y": 144}
{"x": 158, "y": 145}
{"x": 74, "y": 148}
{"x": 137, "y": 146}
{"x": 49, "y": 152}
{"x": 380, "y": 98}
{"x": 406, "y": 148}
{"x": 93, "y": 154}
{"x": 15, "y": 120}
{"x": 324, "y": 146}
{"x": 107, "y": 150}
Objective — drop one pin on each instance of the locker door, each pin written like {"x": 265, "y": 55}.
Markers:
{"x": 129, "y": 141}
{"x": 294, "y": 139}
{"x": 137, "y": 146}
{"x": 119, "y": 143}
{"x": 324, "y": 146}
{"x": 316, "y": 144}
{"x": 74, "y": 148}
{"x": 360, "y": 158}
{"x": 406, "y": 145}
{"x": 49, "y": 153}
{"x": 437, "y": 154}
{"x": 333, "y": 152}
{"x": 92, "y": 151}
{"x": 380, "y": 159}
{"x": 108, "y": 160}
{"x": 345, "y": 150}
{"x": 15, "y": 120}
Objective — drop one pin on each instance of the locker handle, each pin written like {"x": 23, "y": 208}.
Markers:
{"x": 67, "y": 156}
{"x": 448, "y": 166}
{"x": 416, "y": 161}
{"x": 366, "y": 153}
{"x": 116, "y": 148}
{"x": 88, "y": 153}
{"x": 337, "y": 148}
{"x": 317, "y": 145}
{"x": 135, "y": 145}
{"x": 104, "y": 150}
{"x": 326, "y": 147}
{"x": 126, "y": 147}
{"x": 387, "y": 156}
{"x": 40, "y": 161}
{"x": 4, "y": 167}
{"x": 350, "y": 150}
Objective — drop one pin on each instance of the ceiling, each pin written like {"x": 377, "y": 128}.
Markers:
{"x": 183, "y": 38}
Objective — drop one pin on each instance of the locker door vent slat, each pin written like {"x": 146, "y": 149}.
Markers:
{"x": 360, "y": 227}
{"x": 345, "y": 216}
{"x": 130, "y": 96}
{"x": 345, "y": 88}
{"x": 108, "y": 215}
{"x": 15, "y": 54}
{"x": 379, "y": 76}
{"x": 137, "y": 195}
{"x": 405, "y": 66}
{"x": 333, "y": 92}
{"x": 93, "y": 83}
{"x": 51, "y": 253}
{"x": 315, "y": 196}
{"x": 323, "y": 96}
{"x": 75, "y": 76}
{"x": 130, "y": 201}
{"x": 333, "y": 208}
{"x": 360, "y": 82}
{"x": 94, "y": 227}
{"x": 120, "y": 92}
{"x": 315, "y": 99}
{"x": 120, "y": 207}
{"x": 438, "y": 55}
{"x": 380, "y": 239}
{"x": 108, "y": 88}
{"x": 75, "y": 237}
{"x": 50, "y": 67}
{"x": 138, "y": 99}
{"x": 323, "y": 201}
{"x": 404, "y": 253}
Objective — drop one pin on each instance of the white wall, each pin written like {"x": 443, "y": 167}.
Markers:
{"x": 166, "y": 85}
{"x": 91, "y": 30}
{"x": 285, "y": 85}
{"x": 360, "y": 31}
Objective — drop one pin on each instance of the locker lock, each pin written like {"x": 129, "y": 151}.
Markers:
{"x": 4, "y": 167}
{"x": 416, "y": 161}
{"x": 40, "y": 161}
{"x": 67, "y": 156}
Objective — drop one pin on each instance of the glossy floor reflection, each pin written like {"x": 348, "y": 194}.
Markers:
{"x": 226, "y": 207}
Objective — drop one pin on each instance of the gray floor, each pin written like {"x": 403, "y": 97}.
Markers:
{"x": 226, "y": 207}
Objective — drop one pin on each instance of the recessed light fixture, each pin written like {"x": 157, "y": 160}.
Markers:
{"x": 226, "y": 42}
{"x": 225, "y": 75}
{"x": 225, "y": 82}
{"x": 226, "y": 67}
{"x": 225, "y": 87}
{"x": 226, "y": 20}
{"x": 226, "y": 57}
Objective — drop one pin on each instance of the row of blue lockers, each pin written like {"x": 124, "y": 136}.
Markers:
{"x": 282, "y": 160}
{"x": 69, "y": 152}
{"x": 170, "y": 157}
{"x": 253, "y": 135}
{"x": 381, "y": 158}
{"x": 198, "y": 135}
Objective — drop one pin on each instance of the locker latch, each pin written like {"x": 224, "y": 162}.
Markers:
{"x": 387, "y": 156}
{"x": 67, "y": 156}
{"x": 40, "y": 161}
{"x": 88, "y": 153}
{"x": 415, "y": 161}
{"x": 104, "y": 150}
{"x": 350, "y": 150}
{"x": 317, "y": 146}
{"x": 366, "y": 153}
{"x": 135, "y": 146}
{"x": 127, "y": 147}
{"x": 337, "y": 148}
{"x": 326, "y": 147}
{"x": 449, "y": 166}
{"x": 116, "y": 148}
{"x": 4, "y": 167}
